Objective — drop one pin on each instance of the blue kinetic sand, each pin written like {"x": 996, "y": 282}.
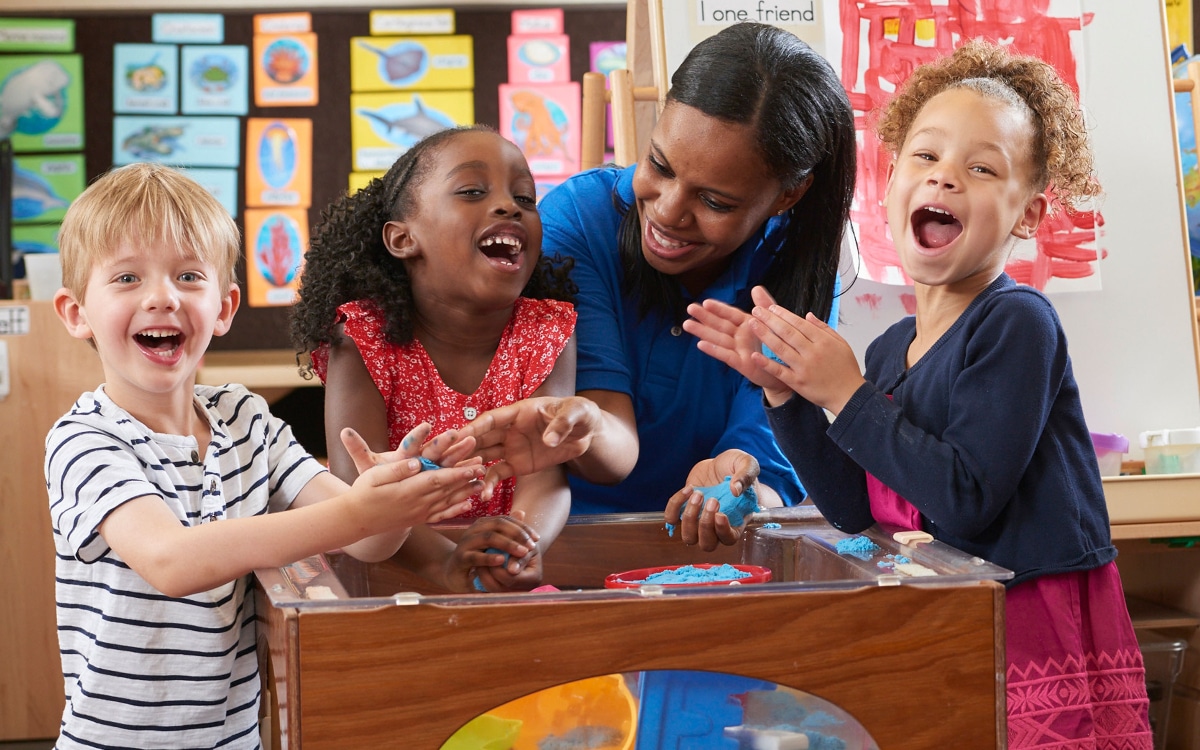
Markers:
{"x": 858, "y": 546}
{"x": 735, "y": 508}
{"x": 427, "y": 465}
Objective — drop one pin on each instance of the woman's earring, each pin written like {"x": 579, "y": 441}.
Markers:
{"x": 779, "y": 212}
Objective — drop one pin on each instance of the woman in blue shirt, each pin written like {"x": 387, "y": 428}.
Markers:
{"x": 747, "y": 180}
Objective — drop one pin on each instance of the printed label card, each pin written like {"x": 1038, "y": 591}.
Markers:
{"x": 274, "y": 24}
{"x": 178, "y": 141}
{"x": 285, "y": 70}
{"x": 539, "y": 59}
{"x": 384, "y": 126}
{"x": 43, "y": 186}
{"x": 412, "y": 22}
{"x": 37, "y": 35}
{"x": 146, "y": 79}
{"x": 537, "y": 21}
{"x": 222, "y": 183}
{"x": 275, "y": 243}
{"x": 216, "y": 79}
{"x": 437, "y": 63}
{"x": 543, "y": 120}
{"x": 41, "y": 102}
{"x": 278, "y": 162}
{"x": 187, "y": 28}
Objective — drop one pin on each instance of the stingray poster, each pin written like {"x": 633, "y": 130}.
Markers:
{"x": 424, "y": 63}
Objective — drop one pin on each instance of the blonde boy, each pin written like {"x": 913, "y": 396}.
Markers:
{"x": 164, "y": 494}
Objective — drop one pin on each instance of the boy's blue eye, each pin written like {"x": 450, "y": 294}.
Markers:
{"x": 126, "y": 278}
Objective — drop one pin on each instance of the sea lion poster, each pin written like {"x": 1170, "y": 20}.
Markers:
{"x": 384, "y": 126}
{"x": 424, "y": 63}
{"x": 41, "y": 102}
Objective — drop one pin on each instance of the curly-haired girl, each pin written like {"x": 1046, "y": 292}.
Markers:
{"x": 426, "y": 299}
{"x": 968, "y": 423}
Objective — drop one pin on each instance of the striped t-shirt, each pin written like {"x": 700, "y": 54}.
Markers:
{"x": 142, "y": 669}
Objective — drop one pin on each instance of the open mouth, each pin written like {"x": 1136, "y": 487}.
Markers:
{"x": 662, "y": 245}
{"x": 504, "y": 249}
{"x": 161, "y": 342}
{"x": 935, "y": 228}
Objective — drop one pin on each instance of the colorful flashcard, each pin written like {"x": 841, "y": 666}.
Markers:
{"x": 383, "y": 126}
{"x": 605, "y": 57}
{"x": 537, "y": 21}
{"x": 412, "y": 22}
{"x": 178, "y": 141}
{"x": 539, "y": 59}
{"x": 543, "y": 120}
{"x": 275, "y": 24}
{"x": 146, "y": 79}
{"x": 41, "y": 102}
{"x": 285, "y": 72}
{"x": 215, "y": 79}
{"x": 279, "y": 162}
{"x": 222, "y": 183}
{"x": 275, "y": 242}
{"x": 359, "y": 180}
{"x": 187, "y": 28}
{"x": 43, "y": 186}
{"x": 37, "y": 35}
{"x": 35, "y": 238}
{"x": 438, "y": 63}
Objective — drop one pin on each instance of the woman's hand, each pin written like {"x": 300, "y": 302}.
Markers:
{"x": 700, "y": 521}
{"x": 499, "y": 552}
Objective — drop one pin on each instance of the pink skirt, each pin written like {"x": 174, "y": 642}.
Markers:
{"x": 1075, "y": 679}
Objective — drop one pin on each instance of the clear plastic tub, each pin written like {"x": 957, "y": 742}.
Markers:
{"x": 1110, "y": 452}
{"x": 1163, "y": 656}
{"x": 1171, "y": 451}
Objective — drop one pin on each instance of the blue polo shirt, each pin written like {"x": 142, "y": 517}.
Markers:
{"x": 689, "y": 406}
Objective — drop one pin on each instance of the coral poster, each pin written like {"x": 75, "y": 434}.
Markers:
{"x": 878, "y": 45}
{"x": 275, "y": 243}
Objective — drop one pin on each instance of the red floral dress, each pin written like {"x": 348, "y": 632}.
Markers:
{"x": 414, "y": 391}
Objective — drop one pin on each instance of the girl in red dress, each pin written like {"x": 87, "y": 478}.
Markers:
{"x": 426, "y": 299}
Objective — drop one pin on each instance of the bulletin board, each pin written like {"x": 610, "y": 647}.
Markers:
{"x": 1132, "y": 335}
{"x": 489, "y": 27}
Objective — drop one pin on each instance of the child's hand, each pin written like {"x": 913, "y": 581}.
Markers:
{"x": 818, "y": 363}
{"x": 398, "y": 493}
{"x": 498, "y": 552}
{"x": 699, "y": 522}
{"x": 725, "y": 335}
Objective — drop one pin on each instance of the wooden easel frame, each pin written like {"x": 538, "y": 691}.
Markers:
{"x": 644, "y": 80}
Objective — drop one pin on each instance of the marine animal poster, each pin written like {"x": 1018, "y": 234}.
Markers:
{"x": 279, "y": 162}
{"x": 35, "y": 238}
{"x": 41, "y": 102}
{"x": 215, "y": 79}
{"x": 178, "y": 141}
{"x": 418, "y": 63}
{"x": 42, "y": 35}
{"x": 543, "y": 120}
{"x": 359, "y": 180}
{"x": 285, "y": 70}
{"x": 146, "y": 79}
{"x": 605, "y": 58}
{"x": 221, "y": 183}
{"x": 384, "y": 126}
{"x": 539, "y": 58}
{"x": 275, "y": 243}
{"x": 43, "y": 186}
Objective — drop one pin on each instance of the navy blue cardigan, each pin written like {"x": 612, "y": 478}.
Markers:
{"x": 984, "y": 435}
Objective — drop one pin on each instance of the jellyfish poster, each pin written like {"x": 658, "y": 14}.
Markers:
{"x": 285, "y": 70}
{"x": 275, "y": 243}
{"x": 422, "y": 63}
{"x": 41, "y": 102}
{"x": 279, "y": 162}
{"x": 146, "y": 79}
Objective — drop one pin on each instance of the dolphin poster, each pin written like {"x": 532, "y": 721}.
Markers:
{"x": 383, "y": 126}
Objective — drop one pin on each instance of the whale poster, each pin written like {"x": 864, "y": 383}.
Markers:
{"x": 41, "y": 102}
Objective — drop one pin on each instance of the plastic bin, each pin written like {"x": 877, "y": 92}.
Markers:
{"x": 1110, "y": 452}
{"x": 1163, "y": 656}
{"x": 1172, "y": 451}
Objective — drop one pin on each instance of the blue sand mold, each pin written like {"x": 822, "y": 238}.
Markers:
{"x": 857, "y": 546}
{"x": 491, "y": 551}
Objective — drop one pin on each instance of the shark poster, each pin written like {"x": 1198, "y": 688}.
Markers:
{"x": 384, "y": 126}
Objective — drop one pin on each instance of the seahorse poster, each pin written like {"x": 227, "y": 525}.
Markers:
{"x": 878, "y": 44}
{"x": 275, "y": 242}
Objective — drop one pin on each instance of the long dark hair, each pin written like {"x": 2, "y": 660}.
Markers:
{"x": 347, "y": 260}
{"x": 764, "y": 77}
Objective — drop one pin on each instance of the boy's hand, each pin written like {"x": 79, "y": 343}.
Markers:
{"x": 400, "y": 494}
{"x": 699, "y": 522}
{"x": 498, "y": 552}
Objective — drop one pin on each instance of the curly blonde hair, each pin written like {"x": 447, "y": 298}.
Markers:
{"x": 1062, "y": 153}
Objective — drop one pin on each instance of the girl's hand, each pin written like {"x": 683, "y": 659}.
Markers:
{"x": 500, "y": 552}
{"x": 818, "y": 363}
{"x": 395, "y": 492}
{"x": 699, "y": 521}
{"x": 725, "y": 335}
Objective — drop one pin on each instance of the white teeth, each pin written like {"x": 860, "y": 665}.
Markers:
{"x": 937, "y": 210}
{"x": 159, "y": 333}
{"x": 670, "y": 244}
{"x": 514, "y": 244}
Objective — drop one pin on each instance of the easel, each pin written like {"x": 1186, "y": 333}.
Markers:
{"x": 644, "y": 80}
